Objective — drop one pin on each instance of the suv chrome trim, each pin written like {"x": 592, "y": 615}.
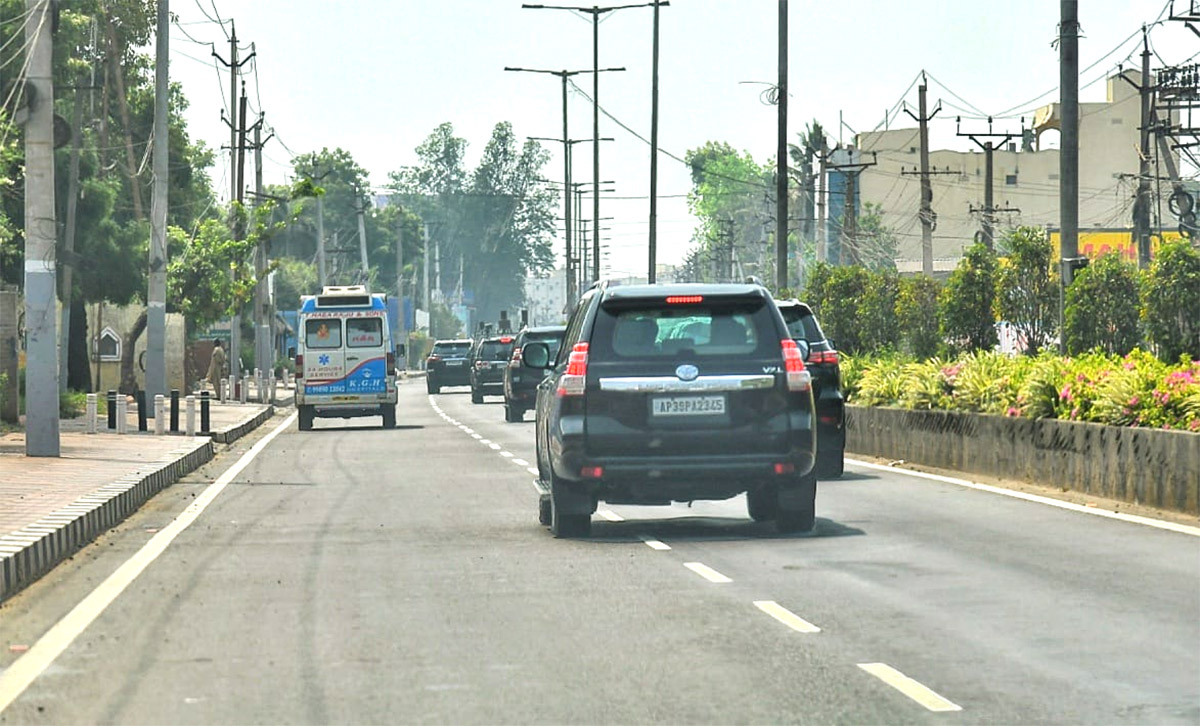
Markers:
{"x": 671, "y": 384}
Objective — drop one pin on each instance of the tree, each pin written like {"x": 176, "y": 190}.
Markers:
{"x": 856, "y": 307}
{"x": 728, "y": 193}
{"x": 917, "y": 315}
{"x": 1102, "y": 307}
{"x": 1027, "y": 288}
{"x": 1171, "y": 301}
{"x": 966, "y": 304}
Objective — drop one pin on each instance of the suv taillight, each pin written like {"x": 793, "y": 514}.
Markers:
{"x": 433, "y": 358}
{"x": 823, "y": 357}
{"x": 798, "y": 379}
{"x": 299, "y": 365}
{"x": 574, "y": 380}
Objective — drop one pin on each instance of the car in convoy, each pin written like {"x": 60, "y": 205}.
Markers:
{"x": 447, "y": 365}
{"x": 823, "y": 363}
{"x": 520, "y": 383}
{"x": 674, "y": 393}
{"x": 488, "y": 358}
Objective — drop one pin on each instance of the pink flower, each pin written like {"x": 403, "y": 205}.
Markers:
{"x": 1130, "y": 366}
{"x": 1134, "y": 401}
{"x": 1014, "y": 411}
{"x": 1075, "y": 412}
{"x": 1065, "y": 393}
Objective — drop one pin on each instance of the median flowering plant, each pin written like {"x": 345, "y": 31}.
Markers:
{"x": 1132, "y": 390}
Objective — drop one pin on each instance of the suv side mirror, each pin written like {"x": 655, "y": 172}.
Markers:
{"x": 536, "y": 355}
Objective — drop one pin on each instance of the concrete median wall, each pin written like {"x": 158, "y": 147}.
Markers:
{"x": 1145, "y": 466}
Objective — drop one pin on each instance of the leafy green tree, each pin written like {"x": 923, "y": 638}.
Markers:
{"x": 728, "y": 191}
{"x": 966, "y": 305}
{"x": 1171, "y": 301}
{"x": 1102, "y": 307}
{"x": 1027, "y": 288}
{"x": 917, "y": 315}
{"x": 856, "y": 307}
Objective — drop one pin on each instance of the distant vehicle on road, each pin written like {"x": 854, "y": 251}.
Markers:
{"x": 823, "y": 363}
{"x": 489, "y": 356}
{"x": 345, "y": 362}
{"x": 673, "y": 393}
{"x": 520, "y": 383}
{"x": 447, "y": 365}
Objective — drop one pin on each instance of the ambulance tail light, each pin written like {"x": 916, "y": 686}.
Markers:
{"x": 299, "y": 366}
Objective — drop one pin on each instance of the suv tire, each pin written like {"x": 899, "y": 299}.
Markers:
{"x": 306, "y": 418}
{"x": 432, "y": 387}
{"x": 797, "y": 506}
{"x": 831, "y": 467}
{"x": 570, "y": 523}
{"x": 763, "y": 503}
{"x": 512, "y": 414}
{"x": 544, "y": 514}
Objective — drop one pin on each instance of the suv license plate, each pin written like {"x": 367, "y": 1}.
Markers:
{"x": 687, "y": 405}
{"x": 453, "y": 363}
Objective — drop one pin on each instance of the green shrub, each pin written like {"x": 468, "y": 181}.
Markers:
{"x": 965, "y": 305}
{"x": 917, "y": 315}
{"x": 1171, "y": 301}
{"x": 926, "y": 386}
{"x": 1102, "y": 307}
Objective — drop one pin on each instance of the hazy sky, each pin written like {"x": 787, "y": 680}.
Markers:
{"x": 375, "y": 77}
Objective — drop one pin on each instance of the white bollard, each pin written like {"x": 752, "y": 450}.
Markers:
{"x": 92, "y": 409}
{"x": 160, "y": 414}
{"x": 271, "y": 388}
{"x": 245, "y": 392}
{"x": 222, "y": 389}
{"x": 191, "y": 416}
{"x": 122, "y": 414}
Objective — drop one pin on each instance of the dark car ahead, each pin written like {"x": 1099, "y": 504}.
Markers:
{"x": 666, "y": 393}
{"x": 823, "y": 363}
{"x": 489, "y": 357}
{"x": 520, "y": 383}
{"x": 447, "y": 365}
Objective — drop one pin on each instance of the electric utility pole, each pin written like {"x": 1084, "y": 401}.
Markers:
{"x": 926, "y": 215}
{"x": 849, "y": 237}
{"x": 264, "y": 346}
{"x": 41, "y": 344}
{"x": 989, "y": 148}
{"x": 1142, "y": 203}
{"x": 1068, "y": 159}
{"x": 652, "y": 267}
{"x": 156, "y": 298}
{"x": 361, "y": 209}
{"x": 781, "y": 181}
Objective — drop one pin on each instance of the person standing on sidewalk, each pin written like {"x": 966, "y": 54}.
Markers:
{"x": 216, "y": 366}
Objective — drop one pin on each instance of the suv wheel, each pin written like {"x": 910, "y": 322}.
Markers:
{"x": 763, "y": 502}
{"x": 476, "y": 395}
{"x": 512, "y": 414}
{"x": 832, "y": 466}
{"x": 432, "y": 387}
{"x": 544, "y": 514}
{"x": 565, "y": 518}
{"x": 797, "y": 506}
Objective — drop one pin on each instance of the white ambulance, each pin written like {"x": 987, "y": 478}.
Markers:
{"x": 345, "y": 362}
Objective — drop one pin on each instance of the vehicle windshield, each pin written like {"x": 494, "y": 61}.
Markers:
{"x": 495, "y": 350}
{"x": 666, "y": 331}
{"x": 802, "y": 324}
{"x": 452, "y": 350}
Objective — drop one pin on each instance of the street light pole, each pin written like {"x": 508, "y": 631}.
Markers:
{"x": 566, "y": 141}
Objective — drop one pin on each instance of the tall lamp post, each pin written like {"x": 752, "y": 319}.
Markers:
{"x": 596, "y": 12}
{"x": 566, "y": 141}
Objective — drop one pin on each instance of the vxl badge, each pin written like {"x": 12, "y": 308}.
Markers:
{"x": 687, "y": 372}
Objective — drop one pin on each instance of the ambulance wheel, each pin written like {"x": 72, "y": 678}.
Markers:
{"x": 389, "y": 417}
{"x": 306, "y": 418}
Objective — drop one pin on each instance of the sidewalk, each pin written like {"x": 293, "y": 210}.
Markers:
{"x": 50, "y": 507}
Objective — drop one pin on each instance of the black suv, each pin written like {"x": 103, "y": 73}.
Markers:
{"x": 447, "y": 365}
{"x": 665, "y": 393}
{"x": 489, "y": 356}
{"x": 822, "y": 363}
{"x": 520, "y": 383}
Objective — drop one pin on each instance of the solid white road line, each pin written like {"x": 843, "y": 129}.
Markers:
{"x": 1133, "y": 519}
{"x": 785, "y": 616}
{"x": 18, "y": 676}
{"x": 707, "y": 572}
{"x": 655, "y": 544}
{"x": 909, "y": 687}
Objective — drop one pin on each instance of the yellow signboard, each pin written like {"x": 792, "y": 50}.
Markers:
{"x": 1095, "y": 243}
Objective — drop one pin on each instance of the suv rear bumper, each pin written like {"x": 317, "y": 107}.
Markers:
{"x": 457, "y": 376}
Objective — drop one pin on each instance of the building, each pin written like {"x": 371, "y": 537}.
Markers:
{"x": 546, "y": 298}
{"x": 1025, "y": 179}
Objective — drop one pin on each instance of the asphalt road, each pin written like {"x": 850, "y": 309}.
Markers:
{"x": 355, "y": 575}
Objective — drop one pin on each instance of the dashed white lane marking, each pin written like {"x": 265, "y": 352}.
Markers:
{"x": 494, "y": 447}
{"x": 520, "y": 462}
{"x": 707, "y": 572}
{"x": 18, "y": 676}
{"x": 611, "y": 516}
{"x": 467, "y": 429}
{"x": 785, "y": 616}
{"x": 506, "y": 454}
{"x": 1133, "y": 519}
{"x": 477, "y": 437}
{"x": 485, "y": 442}
{"x": 916, "y": 691}
{"x": 533, "y": 470}
{"x": 655, "y": 544}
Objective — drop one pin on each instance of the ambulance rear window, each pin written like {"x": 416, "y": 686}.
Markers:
{"x": 324, "y": 333}
{"x": 364, "y": 332}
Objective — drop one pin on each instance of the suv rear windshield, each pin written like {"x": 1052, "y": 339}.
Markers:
{"x": 451, "y": 349}
{"x": 802, "y": 324}
{"x": 494, "y": 350}
{"x": 659, "y": 330}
